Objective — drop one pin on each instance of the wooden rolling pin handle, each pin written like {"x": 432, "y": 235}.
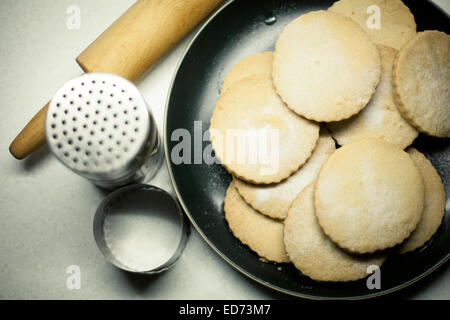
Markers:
{"x": 31, "y": 137}
{"x": 131, "y": 45}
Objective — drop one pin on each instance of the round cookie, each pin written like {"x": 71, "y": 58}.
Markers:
{"x": 369, "y": 196}
{"x": 313, "y": 253}
{"x": 249, "y": 66}
{"x": 421, "y": 80}
{"x": 274, "y": 200}
{"x": 256, "y": 137}
{"x": 397, "y": 25}
{"x": 262, "y": 234}
{"x": 380, "y": 118}
{"x": 434, "y": 206}
{"x": 318, "y": 72}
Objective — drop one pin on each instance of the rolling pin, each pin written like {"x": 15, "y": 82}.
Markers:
{"x": 130, "y": 46}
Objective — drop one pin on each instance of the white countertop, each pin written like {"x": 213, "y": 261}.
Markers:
{"x": 46, "y": 211}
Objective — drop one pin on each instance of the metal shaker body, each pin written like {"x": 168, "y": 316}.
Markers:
{"x": 100, "y": 127}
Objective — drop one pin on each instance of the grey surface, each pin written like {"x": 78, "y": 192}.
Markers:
{"x": 46, "y": 211}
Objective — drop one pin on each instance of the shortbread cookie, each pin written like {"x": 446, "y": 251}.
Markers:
{"x": 380, "y": 118}
{"x": 369, "y": 196}
{"x": 274, "y": 200}
{"x": 434, "y": 206}
{"x": 325, "y": 66}
{"x": 249, "y": 66}
{"x": 256, "y": 137}
{"x": 262, "y": 234}
{"x": 313, "y": 253}
{"x": 421, "y": 79}
{"x": 396, "y": 23}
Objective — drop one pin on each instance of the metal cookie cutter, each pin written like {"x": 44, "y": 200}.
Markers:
{"x": 100, "y": 127}
{"x": 141, "y": 228}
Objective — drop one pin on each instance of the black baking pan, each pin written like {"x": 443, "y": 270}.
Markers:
{"x": 236, "y": 30}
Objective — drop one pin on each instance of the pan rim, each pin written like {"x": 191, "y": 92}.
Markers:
{"x": 220, "y": 253}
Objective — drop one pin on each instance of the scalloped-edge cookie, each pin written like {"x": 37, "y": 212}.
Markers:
{"x": 259, "y": 63}
{"x": 325, "y": 66}
{"x": 380, "y": 118}
{"x": 421, "y": 80}
{"x": 396, "y": 22}
{"x": 253, "y": 133}
{"x": 434, "y": 206}
{"x": 369, "y": 196}
{"x": 313, "y": 253}
{"x": 260, "y": 233}
{"x": 274, "y": 200}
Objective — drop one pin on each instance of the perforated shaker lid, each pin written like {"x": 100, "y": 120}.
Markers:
{"x": 97, "y": 124}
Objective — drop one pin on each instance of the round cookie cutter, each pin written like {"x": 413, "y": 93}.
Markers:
{"x": 141, "y": 228}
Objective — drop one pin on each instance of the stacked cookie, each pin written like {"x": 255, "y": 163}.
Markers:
{"x": 335, "y": 211}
